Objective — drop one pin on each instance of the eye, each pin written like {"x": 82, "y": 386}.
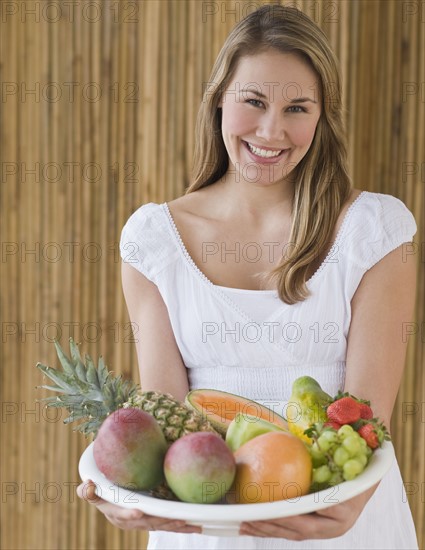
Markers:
{"x": 252, "y": 101}
{"x": 303, "y": 109}
{"x": 258, "y": 103}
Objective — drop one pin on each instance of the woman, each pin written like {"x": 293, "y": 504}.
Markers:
{"x": 271, "y": 234}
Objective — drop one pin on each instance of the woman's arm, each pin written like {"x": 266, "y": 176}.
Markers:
{"x": 382, "y": 305}
{"x": 376, "y": 354}
{"x": 162, "y": 369}
{"x": 160, "y": 363}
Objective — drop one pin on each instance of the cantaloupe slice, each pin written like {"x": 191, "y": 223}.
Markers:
{"x": 221, "y": 407}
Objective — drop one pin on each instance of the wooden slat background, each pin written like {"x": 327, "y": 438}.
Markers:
{"x": 74, "y": 167}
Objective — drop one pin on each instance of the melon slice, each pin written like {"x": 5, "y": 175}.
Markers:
{"x": 221, "y": 407}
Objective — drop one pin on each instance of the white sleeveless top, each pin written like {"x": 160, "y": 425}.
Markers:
{"x": 250, "y": 343}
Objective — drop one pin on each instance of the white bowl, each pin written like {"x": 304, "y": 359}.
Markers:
{"x": 224, "y": 519}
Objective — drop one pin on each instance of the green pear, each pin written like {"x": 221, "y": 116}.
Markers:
{"x": 245, "y": 427}
{"x": 306, "y": 406}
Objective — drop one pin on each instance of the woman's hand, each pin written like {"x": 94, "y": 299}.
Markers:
{"x": 125, "y": 518}
{"x": 325, "y": 524}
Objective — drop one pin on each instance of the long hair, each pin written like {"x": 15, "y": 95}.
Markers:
{"x": 321, "y": 184}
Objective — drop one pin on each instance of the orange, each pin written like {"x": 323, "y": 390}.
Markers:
{"x": 273, "y": 466}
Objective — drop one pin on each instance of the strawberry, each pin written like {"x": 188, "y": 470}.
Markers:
{"x": 344, "y": 411}
{"x": 365, "y": 411}
{"x": 373, "y": 433}
{"x": 369, "y": 434}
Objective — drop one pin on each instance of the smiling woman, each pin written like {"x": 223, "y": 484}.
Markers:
{"x": 274, "y": 103}
{"x": 270, "y": 168}
{"x": 273, "y": 131}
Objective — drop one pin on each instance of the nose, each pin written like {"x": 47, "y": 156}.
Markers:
{"x": 271, "y": 128}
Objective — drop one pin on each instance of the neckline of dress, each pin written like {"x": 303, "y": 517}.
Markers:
{"x": 256, "y": 291}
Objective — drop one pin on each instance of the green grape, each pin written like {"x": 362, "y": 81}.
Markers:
{"x": 352, "y": 445}
{"x": 336, "y": 478}
{"x": 341, "y": 456}
{"x": 317, "y": 456}
{"x": 324, "y": 444}
{"x": 330, "y": 435}
{"x": 368, "y": 451}
{"x": 362, "y": 458}
{"x": 351, "y": 469}
{"x": 345, "y": 431}
{"x": 321, "y": 474}
{"x": 337, "y": 456}
{"x": 316, "y": 452}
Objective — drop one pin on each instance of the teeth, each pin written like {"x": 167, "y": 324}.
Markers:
{"x": 263, "y": 152}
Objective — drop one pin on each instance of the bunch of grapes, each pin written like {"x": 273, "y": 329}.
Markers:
{"x": 337, "y": 455}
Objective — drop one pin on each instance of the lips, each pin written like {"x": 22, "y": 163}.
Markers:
{"x": 273, "y": 149}
{"x": 265, "y": 160}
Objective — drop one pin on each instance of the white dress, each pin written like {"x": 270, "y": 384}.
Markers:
{"x": 250, "y": 343}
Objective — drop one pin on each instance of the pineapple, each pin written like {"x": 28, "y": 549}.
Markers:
{"x": 174, "y": 417}
{"x": 91, "y": 393}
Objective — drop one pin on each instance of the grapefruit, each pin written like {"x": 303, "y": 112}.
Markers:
{"x": 273, "y": 466}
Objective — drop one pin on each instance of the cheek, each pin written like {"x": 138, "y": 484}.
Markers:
{"x": 302, "y": 134}
{"x": 237, "y": 120}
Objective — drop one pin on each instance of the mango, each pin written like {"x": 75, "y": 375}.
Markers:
{"x": 245, "y": 427}
{"x": 199, "y": 468}
{"x": 130, "y": 448}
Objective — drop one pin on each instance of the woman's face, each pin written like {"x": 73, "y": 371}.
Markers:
{"x": 270, "y": 112}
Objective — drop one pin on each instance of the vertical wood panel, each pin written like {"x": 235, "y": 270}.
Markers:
{"x": 142, "y": 145}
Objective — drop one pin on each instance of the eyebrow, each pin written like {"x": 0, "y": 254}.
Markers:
{"x": 296, "y": 100}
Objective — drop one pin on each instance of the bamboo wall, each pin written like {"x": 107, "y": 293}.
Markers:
{"x": 98, "y": 107}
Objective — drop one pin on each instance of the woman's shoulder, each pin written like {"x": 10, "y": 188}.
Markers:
{"x": 146, "y": 223}
{"x": 146, "y": 240}
{"x": 376, "y": 224}
{"x": 144, "y": 212}
{"x": 381, "y": 212}
{"x": 384, "y": 201}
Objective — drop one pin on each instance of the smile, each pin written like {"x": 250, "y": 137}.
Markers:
{"x": 264, "y": 153}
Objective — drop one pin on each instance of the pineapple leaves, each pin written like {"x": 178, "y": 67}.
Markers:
{"x": 91, "y": 373}
{"x": 102, "y": 372}
{"x": 67, "y": 365}
{"x": 87, "y": 392}
{"x": 80, "y": 368}
{"x": 65, "y": 382}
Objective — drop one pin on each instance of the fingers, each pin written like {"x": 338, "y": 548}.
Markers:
{"x": 301, "y": 527}
{"x": 125, "y": 518}
{"x": 136, "y": 519}
{"x": 87, "y": 492}
{"x": 269, "y": 529}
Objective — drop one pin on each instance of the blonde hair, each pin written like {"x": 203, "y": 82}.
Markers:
{"x": 320, "y": 180}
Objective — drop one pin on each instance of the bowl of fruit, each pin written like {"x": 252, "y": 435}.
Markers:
{"x": 218, "y": 459}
